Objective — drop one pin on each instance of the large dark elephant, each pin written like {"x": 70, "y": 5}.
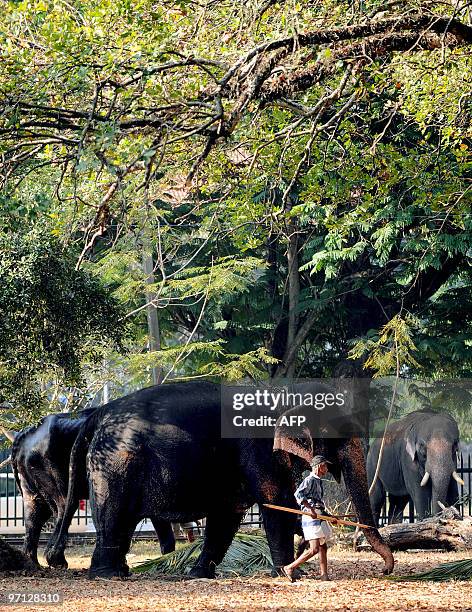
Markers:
{"x": 160, "y": 451}
{"x": 40, "y": 460}
{"x": 418, "y": 462}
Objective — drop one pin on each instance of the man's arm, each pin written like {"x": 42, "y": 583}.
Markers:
{"x": 306, "y": 504}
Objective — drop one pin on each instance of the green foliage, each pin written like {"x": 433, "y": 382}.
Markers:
{"x": 379, "y": 199}
{"x": 53, "y": 318}
{"x": 391, "y": 351}
{"x": 233, "y": 368}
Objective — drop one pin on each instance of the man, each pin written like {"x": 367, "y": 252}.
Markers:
{"x": 309, "y": 496}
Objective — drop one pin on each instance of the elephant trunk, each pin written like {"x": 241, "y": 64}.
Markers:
{"x": 441, "y": 466}
{"x": 352, "y": 460}
{"x": 440, "y": 480}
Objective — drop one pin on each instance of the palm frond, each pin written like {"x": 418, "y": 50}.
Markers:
{"x": 248, "y": 554}
{"x": 455, "y": 570}
{"x": 174, "y": 563}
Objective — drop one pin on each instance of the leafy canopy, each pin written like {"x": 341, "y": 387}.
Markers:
{"x": 54, "y": 318}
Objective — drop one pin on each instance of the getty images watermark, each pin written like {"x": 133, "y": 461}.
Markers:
{"x": 254, "y": 411}
{"x": 336, "y": 407}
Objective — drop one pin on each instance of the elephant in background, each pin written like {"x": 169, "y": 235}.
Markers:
{"x": 160, "y": 452}
{"x": 418, "y": 463}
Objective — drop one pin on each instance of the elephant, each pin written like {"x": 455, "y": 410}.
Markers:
{"x": 418, "y": 463}
{"x": 40, "y": 460}
{"x": 160, "y": 451}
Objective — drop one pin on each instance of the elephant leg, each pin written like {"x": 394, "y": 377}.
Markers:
{"x": 391, "y": 509}
{"x": 377, "y": 500}
{"x": 280, "y": 528}
{"x": 396, "y": 508}
{"x": 271, "y": 481}
{"x": 109, "y": 555}
{"x": 36, "y": 513}
{"x": 54, "y": 551}
{"x": 165, "y": 533}
{"x": 115, "y": 522}
{"x": 220, "y": 530}
{"x": 126, "y": 538}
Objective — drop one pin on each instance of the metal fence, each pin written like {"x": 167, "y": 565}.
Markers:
{"x": 11, "y": 503}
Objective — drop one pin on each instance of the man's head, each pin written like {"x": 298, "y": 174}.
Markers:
{"x": 319, "y": 465}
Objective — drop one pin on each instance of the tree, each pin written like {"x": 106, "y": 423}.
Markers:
{"x": 309, "y": 167}
{"x": 298, "y": 173}
{"x": 54, "y": 319}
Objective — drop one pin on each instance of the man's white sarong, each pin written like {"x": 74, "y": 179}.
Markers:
{"x": 314, "y": 529}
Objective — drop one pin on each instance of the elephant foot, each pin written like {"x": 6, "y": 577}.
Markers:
{"x": 202, "y": 572}
{"x": 108, "y": 562}
{"x": 56, "y": 559}
{"x": 64, "y": 565}
{"x": 33, "y": 560}
{"x": 108, "y": 572}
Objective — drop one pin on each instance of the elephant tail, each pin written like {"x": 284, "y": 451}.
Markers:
{"x": 77, "y": 473}
{"x": 77, "y": 466}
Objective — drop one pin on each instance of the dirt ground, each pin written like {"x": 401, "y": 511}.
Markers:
{"x": 356, "y": 585}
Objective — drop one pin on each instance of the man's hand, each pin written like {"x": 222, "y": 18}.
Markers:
{"x": 334, "y": 521}
{"x": 309, "y": 508}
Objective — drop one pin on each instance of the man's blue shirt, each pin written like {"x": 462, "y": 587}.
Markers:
{"x": 310, "y": 490}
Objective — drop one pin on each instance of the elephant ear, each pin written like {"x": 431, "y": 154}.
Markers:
{"x": 411, "y": 445}
{"x": 297, "y": 443}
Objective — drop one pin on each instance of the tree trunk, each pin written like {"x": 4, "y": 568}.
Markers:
{"x": 12, "y": 559}
{"x": 152, "y": 318}
{"x": 445, "y": 531}
{"x": 293, "y": 296}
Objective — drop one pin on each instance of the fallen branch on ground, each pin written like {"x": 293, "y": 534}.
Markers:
{"x": 446, "y": 531}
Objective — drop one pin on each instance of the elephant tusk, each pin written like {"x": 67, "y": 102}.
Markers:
{"x": 457, "y": 478}
{"x": 4, "y": 463}
{"x": 9, "y": 433}
{"x": 424, "y": 479}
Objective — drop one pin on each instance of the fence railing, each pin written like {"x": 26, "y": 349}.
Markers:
{"x": 11, "y": 503}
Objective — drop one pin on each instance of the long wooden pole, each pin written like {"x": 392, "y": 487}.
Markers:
{"x": 321, "y": 517}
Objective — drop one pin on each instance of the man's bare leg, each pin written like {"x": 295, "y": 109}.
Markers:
{"x": 314, "y": 547}
{"x": 324, "y": 561}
